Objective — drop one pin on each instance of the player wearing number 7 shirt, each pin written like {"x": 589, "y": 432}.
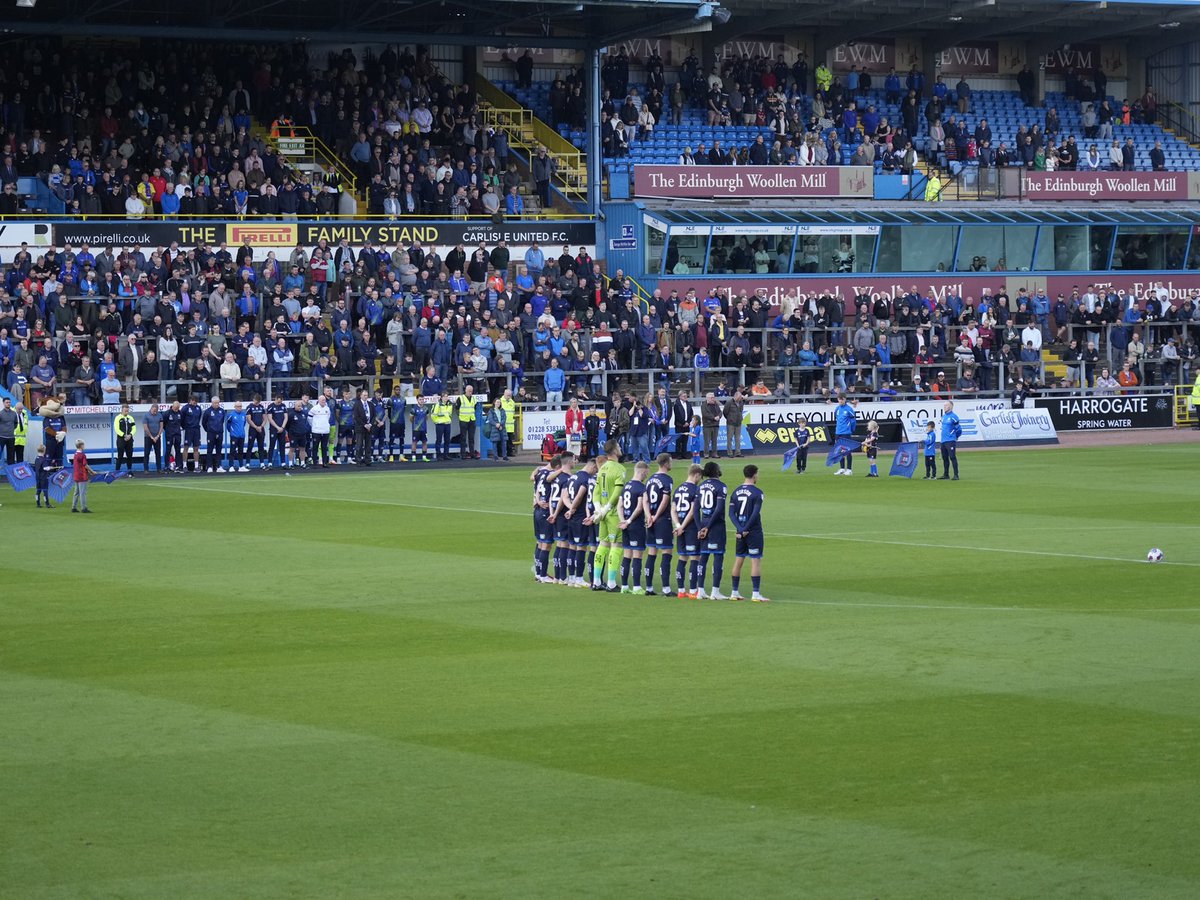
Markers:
{"x": 745, "y": 512}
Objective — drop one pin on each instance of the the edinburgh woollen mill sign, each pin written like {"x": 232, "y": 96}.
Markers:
{"x": 733, "y": 182}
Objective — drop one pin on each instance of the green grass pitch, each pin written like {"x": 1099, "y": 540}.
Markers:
{"x": 348, "y": 685}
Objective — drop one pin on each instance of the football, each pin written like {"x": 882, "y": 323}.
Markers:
{"x": 1154, "y": 555}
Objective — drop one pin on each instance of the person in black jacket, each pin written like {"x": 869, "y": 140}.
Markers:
{"x": 362, "y": 429}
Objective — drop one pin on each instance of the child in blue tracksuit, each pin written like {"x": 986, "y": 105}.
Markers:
{"x": 42, "y": 467}
{"x": 930, "y": 451}
{"x": 695, "y": 442}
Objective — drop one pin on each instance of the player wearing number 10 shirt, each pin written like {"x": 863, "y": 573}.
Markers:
{"x": 745, "y": 513}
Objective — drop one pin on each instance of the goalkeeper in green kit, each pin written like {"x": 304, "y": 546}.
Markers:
{"x": 610, "y": 481}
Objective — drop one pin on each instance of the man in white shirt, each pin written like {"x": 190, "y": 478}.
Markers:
{"x": 1032, "y": 334}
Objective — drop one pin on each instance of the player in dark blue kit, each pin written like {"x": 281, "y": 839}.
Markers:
{"x": 556, "y": 497}
{"x": 173, "y": 436}
{"x": 378, "y": 429}
{"x": 659, "y": 540}
{"x": 711, "y": 517}
{"x": 345, "y": 427}
{"x": 632, "y": 510}
{"x": 592, "y": 535}
{"x": 576, "y": 511}
{"x": 543, "y": 531}
{"x": 277, "y": 423}
{"x": 397, "y": 410}
{"x": 191, "y": 413}
{"x": 684, "y": 503}
{"x": 745, "y": 512}
{"x": 256, "y": 430}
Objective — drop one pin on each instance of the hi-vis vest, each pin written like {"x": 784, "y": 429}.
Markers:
{"x": 123, "y": 432}
{"x": 21, "y": 429}
{"x": 466, "y": 409}
{"x": 510, "y": 413}
{"x": 441, "y": 413}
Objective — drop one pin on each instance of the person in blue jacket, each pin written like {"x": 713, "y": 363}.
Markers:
{"x": 235, "y": 427}
{"x": 844, "y": 423}
{"x": 930, "y": 452}
{"x": 951, "y": 432}
{"x": 554, "y": 382}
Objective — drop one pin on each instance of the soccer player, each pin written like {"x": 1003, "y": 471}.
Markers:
{"x": 871, "y": 445}
{"x": 397, "y": 407}
{"x": 683, "y": 521}
{"x": 173, "y": 436}
{"x": 610, "y": 481}
{"x": 745, "y": 512}
{"x": 592, "y": 535}
{"x": 576, "y": 502}
{"x": 844, "y": 423}
{"x": 191, "y": 414}
{"x": 556, "y": 498}
{"x": 951, "y": 432}
{"x": 633, "y": 528}
{"x": 803, "y": 436}
{"x": 711, "y": 518}
{"x": 543, "y": 531}
{"x": 420, "y": 433}
{"x": 379, "y": 427}
{"x": 277, "y": 422}
{"x": 256, "y": 418}
{"x": 658, "y": 524}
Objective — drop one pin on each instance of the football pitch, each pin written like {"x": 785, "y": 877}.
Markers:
{"x": 348, "y": 685}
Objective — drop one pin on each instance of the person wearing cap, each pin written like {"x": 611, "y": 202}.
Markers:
{"x": 951, "y": 432}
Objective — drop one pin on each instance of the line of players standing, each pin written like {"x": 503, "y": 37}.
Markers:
{"x": 596, "y": 527}
{"x": 303, "y": 432}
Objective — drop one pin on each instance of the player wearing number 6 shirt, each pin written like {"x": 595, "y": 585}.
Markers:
{"x": 610, "y": 481}
{"x": 659, "y": 540}
{"x": 633, "y": 528}
{"x": 556, "y": 495}
{"x": 543, "y": 531}
{"x": 745, "y": 512}
{"x": 711, "y": 518}
{"x": 684, "y": 503}
{"x": 576, "y": 514}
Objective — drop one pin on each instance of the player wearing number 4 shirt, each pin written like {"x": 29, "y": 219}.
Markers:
{"x": 711, "y": 519}
{"x": 576, "y": 511}
{"x": 557, "y": 486}
{"x": 543, "y": 531}
{"x": 745, "y": 512}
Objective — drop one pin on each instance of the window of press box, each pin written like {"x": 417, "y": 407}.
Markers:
{"x": 1063, "y": 248}
{"x": 685, "y": 251}
{"x": 655, "y": 242}
{"x": 834, "y": 253}
{"x": 916, "y": 248}
{"x": 1143, "y": 247}
{"x": 996, "y": 248}
{"x": 750, "y": 254}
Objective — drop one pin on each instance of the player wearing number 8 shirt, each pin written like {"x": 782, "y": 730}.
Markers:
{"x": 659, "y": 540}
{"x": 711, "y": 518}
{"x": 558, "y": 484}
{"x": 633, "y": 528}
{"x": 745, "y": 512}
{"x": 576, "y": 512}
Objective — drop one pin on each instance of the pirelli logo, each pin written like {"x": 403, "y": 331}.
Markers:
{"x": 259, "y": 235}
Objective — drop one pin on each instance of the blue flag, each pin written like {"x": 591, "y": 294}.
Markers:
{"x": 667, "y": 442}
{"x": 904, "y": 463}
{"x": 60, "y": 485}
{"x": 106, "y": 477}
{"x": 840, "y": 448}
{"x": 789, "y": 457}
{"x": 21, "y": 476}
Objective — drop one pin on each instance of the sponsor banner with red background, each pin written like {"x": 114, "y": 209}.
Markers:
{"x": 775, "y": 288}
{"x": 710, "y": 182}
{"x": 1110, "y": 185}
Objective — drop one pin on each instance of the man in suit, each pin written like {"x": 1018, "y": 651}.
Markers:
{"x": 362, "y": 428}
{"x": 681, "y": 411}
{"x": 128, "y": 361}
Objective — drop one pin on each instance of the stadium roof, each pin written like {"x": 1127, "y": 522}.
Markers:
{"x": 569, "y": 24}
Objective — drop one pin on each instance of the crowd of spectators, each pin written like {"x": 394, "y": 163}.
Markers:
{"x": 169, "y": 130}
{"x": 143, "y": 323}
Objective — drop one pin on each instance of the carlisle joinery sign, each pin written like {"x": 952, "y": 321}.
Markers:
{"x": 735, "y": 182}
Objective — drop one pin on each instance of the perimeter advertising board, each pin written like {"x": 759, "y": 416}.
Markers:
{"x": 1115, "y": 413}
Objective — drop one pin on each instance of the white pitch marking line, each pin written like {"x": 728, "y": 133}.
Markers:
{"x": 861, "y": 540}
{"x": 1029, "y": 609}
